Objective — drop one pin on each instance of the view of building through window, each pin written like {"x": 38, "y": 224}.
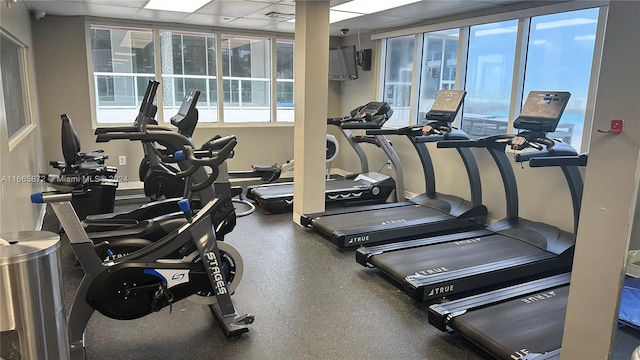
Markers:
{"x": 284, "y": 76}
{"x": 397, "y": 78}
{"x": 246, "y": 74}
{"x": 188, "y": 63}
{"x": 123, "y": 63}
{"x": 439, "y": 63}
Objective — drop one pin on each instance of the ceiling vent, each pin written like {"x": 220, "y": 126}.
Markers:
{"x": 279, "y": 15}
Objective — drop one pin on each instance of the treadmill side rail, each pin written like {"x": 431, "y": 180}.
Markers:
{"x": 364, "y": 253}
{"x": 440, "y": 314}
{"x": 485, "y": 277}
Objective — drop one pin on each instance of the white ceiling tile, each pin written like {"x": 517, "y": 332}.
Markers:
{"x": 63, "y": 8}
{"x": 236, "y": 8}
{"x": 207, "y": 20}
{"x": 157, "y": 15}
{"x": 266, "y": 1}
{"x": 395, "y": 24}
{"x": 284, "y": 9}
{"x": 283, "y": 26}
{"x": 254, "y": 24}
{"x": 366, "y": 22}
{"x": 114, "y": 11}
{"x": 124, "y": 3}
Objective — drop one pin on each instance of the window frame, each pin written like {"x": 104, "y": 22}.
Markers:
{"x": 25, "y": 76}
{"x": 523, "y": 16}
{"x": 217, "y": 33}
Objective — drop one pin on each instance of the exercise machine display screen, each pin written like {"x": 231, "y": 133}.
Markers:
{"x": 542, "y": 111}
{"x": 188, "y": 103}
{"x": 446, "y": 105}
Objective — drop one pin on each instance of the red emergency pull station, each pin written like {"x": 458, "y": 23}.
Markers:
{"x": 617, "y": 126}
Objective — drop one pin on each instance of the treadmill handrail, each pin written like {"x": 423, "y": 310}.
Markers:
{"x": 558, "y": 149}
{"x": 576, "y": 160}
{"x": 129, "y": 129}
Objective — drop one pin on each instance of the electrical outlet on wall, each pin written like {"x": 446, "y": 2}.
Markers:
{"x": 389, "y": 166}
{"x": 122, "y": 160}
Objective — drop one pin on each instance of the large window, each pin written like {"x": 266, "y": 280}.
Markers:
{"x": 490, "y": 61}
{"x": 123, "y": 63}
{"x": 550, "y": 52}
{"x": 439, "y": 65}
{"x": 398, "y": 77}
{"x": 233, "y": 73}
{"x": 188, "y": 62}
{"x": 14, "y": 90}
{"x": 246, "y": 76}
{"x": 284, "y": 76}
{"x": 560, "y": 57}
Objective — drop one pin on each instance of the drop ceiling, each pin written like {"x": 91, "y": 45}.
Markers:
{"x": 251, "y": 14}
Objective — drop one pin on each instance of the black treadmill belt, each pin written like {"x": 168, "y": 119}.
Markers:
{"x": 455, "y": 255}
{"x": 362, "y": 220}
{"x": 534, "y": 323}
{"x": 283, "y": 190}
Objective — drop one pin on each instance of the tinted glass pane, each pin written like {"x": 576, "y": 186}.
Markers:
{"x": 123, "y": 62}
{"x": 490, "y": 64}
{"x": 188, "y": 63}
{"x": 439, "y": 62}
{"x": 246, "y": 63}
{"x": 12, "y": 85}
{"x": 397, "y": 78}
{"x": 284, "y": 96}
{"x": 560, "y": 57}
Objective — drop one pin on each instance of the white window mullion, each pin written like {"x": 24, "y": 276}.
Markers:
{"x": 157, "y": 60}
{"x": 382, "y": 69}
{"x": 219, "y": 82}
{"x": 595, "y": 75}
{"x": 273, "y": 100}
{"x": 519, "y": 67}
{"x": 415, "y": 79}
{"x": 461, "y": 67}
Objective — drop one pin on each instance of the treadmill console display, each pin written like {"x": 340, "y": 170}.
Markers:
{"x": 542, "y": 111}
{"x": 446, "y": 106}
{"x": 374, "y": 111}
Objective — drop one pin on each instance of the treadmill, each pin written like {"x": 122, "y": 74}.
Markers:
{"x": 512, "y": 250}
{"x": 540, "y": 306}
{"x": 366, "y": 187}
{"x": 427, "y": 214}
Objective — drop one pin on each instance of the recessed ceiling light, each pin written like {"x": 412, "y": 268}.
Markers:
{"x": 372, "y": 6}
{"x": 188, "y": 6}
{"x": 335, "y": 16}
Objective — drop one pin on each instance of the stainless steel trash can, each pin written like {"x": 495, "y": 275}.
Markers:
{"x": 32, "y": 317}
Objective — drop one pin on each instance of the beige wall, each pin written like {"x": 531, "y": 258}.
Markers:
{"x": 63, "y": 87}
{"x": 24, "y": 156}
{"x": 543, "y": 193}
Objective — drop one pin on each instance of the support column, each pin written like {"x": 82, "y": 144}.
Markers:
{"x": 311, "y": 97}
{"x": 610, "y": 191}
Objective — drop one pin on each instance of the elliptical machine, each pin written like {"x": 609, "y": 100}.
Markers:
{"x": 130, "y": 231}
{"x": 147, "y": 281}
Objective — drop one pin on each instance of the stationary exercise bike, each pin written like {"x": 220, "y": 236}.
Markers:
{"x": 147, "y": 281}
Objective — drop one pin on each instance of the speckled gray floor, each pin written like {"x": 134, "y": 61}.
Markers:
{"x": 310, "y": 301}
